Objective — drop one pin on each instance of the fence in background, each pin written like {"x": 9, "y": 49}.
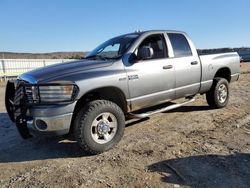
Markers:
{"x": 10, "y": 68}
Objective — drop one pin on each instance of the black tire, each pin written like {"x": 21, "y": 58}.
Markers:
{"x": 84, "y": 130}
{"x": 213, "y": 96}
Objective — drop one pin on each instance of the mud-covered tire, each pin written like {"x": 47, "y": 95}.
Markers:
{"x": 100, "y": 113}
{"x": 218, "y": 95}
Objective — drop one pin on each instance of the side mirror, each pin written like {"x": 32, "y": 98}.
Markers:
{"x": 145, "y": 52}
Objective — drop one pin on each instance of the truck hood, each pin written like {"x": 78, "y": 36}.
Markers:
{"x": 63, "y": 69}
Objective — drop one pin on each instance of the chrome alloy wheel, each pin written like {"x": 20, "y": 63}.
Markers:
{"x": 222, "y": 93}
{"x": 104, "y": 128}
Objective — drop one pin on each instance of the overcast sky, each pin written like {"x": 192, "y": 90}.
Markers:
{"x": 80, "y": 25}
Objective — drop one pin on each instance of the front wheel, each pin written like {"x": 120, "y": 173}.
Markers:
{"x": 99, "y": 126}
{"x": 218, "y": 95}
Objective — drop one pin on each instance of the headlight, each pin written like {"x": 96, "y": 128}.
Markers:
{"x": 52, "y": 93}
{"x": 56, "y": 93}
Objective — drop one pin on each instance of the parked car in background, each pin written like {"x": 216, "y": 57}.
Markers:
{"x": 245, "y": 56}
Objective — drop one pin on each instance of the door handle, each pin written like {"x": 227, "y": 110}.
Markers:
{"x": 194, "y": 63}
{"x": 168, "y": 67}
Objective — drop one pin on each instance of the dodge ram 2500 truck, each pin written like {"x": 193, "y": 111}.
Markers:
{"x": 92, "y": 97}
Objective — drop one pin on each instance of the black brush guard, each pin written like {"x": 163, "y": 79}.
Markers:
{"x": 16, "y": 106}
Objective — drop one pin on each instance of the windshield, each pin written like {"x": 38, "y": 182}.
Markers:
{"x": 113, "y": 48}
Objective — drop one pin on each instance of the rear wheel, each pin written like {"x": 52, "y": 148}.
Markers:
{"x": 218, "y": 95}
{"x": 99, "y": 126}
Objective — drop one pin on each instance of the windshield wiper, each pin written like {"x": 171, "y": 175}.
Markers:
{"x": 113, "y": 57}
{"x": 117, "y": 57}
{"x": 102, "y": 57}
{"x": 96, "y": 57}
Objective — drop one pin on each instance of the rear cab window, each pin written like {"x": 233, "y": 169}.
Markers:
{"x": 180, "y": 45}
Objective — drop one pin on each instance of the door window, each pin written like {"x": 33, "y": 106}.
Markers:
{"x": 157, "y": 43}
{"x": 180, "y": 45}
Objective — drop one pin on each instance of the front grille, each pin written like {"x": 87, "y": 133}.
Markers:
{"x": 19, "y": 94}
{"x": 22, "y": 98}
{"x": 28, "y": 92}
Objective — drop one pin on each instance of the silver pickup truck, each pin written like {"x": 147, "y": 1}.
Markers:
{"x": 120, "y": 79}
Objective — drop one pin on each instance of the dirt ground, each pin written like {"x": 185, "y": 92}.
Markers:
{"x": 192, "y": 146}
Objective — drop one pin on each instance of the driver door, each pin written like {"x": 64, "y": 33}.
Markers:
{"x": 151, "y": 81}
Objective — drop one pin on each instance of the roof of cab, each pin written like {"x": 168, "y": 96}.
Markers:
{"x": 160, "y": 31}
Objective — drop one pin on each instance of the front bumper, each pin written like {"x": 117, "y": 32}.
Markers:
{"x": 58, "y": 125}
{"x": 56, "y": 118}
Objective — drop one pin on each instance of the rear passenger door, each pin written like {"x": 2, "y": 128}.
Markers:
{"x": 187, "y": 66}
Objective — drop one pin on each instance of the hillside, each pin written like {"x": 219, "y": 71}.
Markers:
{"x": 223, "y": 50}
{"x": 78, "y": 55}
{"x": 53, "y": 55}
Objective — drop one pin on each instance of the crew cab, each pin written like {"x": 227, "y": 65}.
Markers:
{"x": 92, "y": 97}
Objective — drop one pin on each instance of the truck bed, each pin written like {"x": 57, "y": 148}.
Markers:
{"x": 212, "y": 63}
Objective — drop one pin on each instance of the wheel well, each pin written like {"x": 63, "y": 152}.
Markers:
{"x": 112, "y": 94}
{"x": 224, "y": 73}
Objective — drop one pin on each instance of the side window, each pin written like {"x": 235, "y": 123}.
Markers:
{"x": 180, "y": 45}
{"x": 157, "y": 43}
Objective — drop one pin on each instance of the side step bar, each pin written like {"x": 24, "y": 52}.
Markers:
{"x": 171, "y": 107}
